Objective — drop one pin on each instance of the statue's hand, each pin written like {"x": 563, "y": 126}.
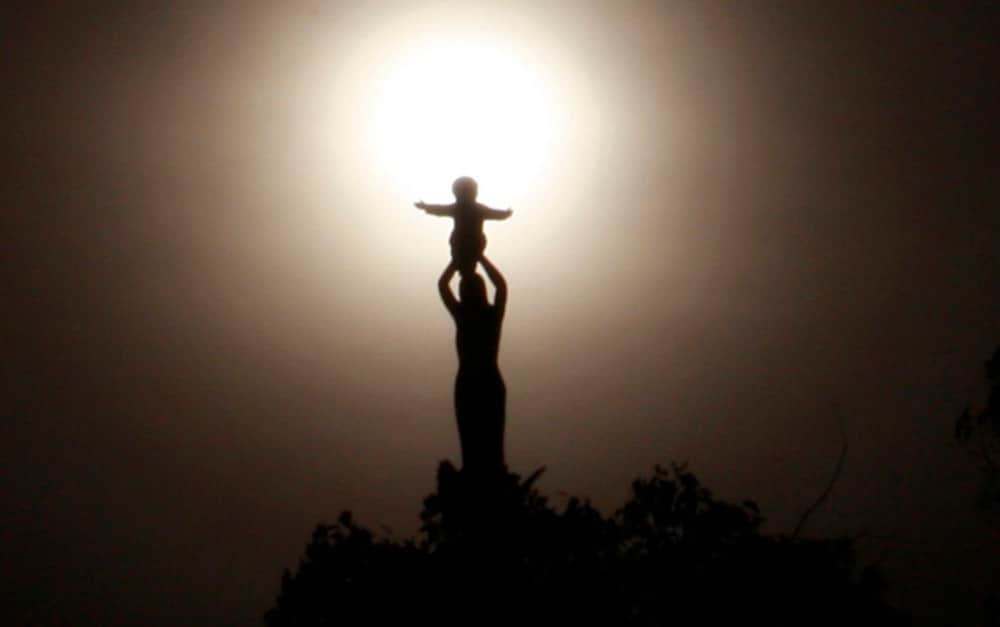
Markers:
{"x": 420, "y": 205}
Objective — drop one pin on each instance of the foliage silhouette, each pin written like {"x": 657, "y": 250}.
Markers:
{"x": 501, "y": 554}
{"x": 980, "y": 434}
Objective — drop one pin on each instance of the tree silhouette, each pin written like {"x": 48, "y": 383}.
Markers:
{"x": 673, "y": 554}
{"x": 980, "y": 434}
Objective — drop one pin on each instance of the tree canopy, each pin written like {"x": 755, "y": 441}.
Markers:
{"x": 980, "y": 434}
{"x": 496, "y": 552}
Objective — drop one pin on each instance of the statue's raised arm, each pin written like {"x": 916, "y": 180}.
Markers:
{"x": 444, "y": 288}
{"x": 500, "y": 302}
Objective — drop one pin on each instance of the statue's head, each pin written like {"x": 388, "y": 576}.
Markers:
{"x": 465, "y": 189}
{"x": 472, "y": 290}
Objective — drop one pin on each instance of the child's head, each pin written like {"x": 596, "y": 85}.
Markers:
{"x": 472, "y": 290}
{"x": 465, "y": 189}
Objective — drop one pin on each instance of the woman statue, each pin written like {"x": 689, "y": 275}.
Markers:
{"x": 480, "y": 394}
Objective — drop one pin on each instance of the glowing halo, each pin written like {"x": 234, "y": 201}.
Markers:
{"x": 447, "y": 109}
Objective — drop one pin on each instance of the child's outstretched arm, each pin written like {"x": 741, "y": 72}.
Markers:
{"x": 435, "y": 210}
{"x": 495, "y": 214}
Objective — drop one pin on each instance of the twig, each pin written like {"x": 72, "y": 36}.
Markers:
{"x": 833, "y": 480}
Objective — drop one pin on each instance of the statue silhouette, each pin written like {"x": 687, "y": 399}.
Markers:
{"x": 467, "y": 238}
{"x": 496, "y": 553}
{"x": 480, "y": 393}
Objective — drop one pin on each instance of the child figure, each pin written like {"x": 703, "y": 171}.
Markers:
{"x": 467, "y": 239}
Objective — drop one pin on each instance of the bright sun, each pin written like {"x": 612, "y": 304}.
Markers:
{"x": 448, "y": 109}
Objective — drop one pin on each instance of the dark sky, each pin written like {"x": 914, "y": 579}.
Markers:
{"x": 209, "y": 349}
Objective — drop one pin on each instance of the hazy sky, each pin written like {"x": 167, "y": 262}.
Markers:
{"x": 220, "y": 316}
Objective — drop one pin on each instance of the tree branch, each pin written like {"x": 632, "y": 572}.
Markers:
{"x": 833, "y": 480}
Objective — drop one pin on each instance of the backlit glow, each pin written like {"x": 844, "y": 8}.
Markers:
{"x": 448, "y": 109}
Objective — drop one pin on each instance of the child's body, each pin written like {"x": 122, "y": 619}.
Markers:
{"x": 467, "y": 239}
